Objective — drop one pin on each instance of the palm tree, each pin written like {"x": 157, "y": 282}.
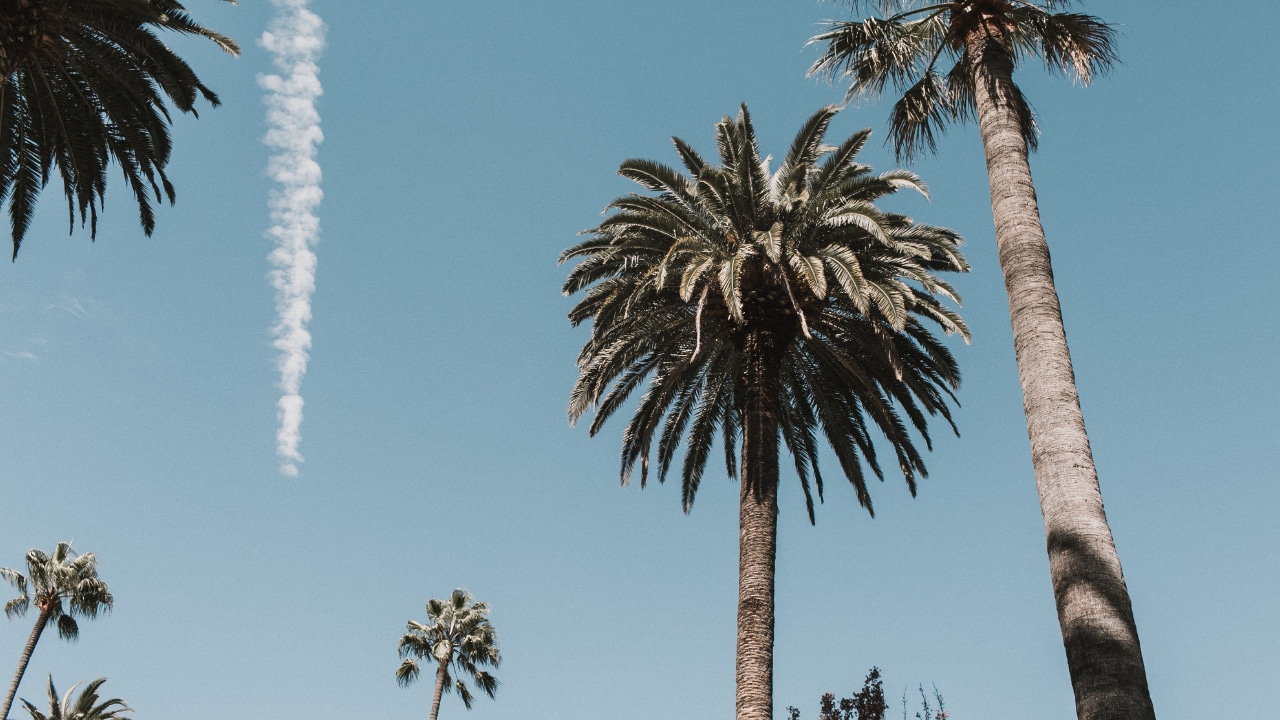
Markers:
{"x": 457, "y": 635}
{"x": 986, "y": 39}
{"x": 65, "y": 585}
{"x": 84, "y": 706}
{"x": 762, "y": 304}
{"x": 83, "y": 82}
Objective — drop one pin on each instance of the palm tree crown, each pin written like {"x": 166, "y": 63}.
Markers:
{"x": 65, "y": 586}
{"x": 85, "y": 706}
{"x": 911, "y": 45}
{"x": 458, "y": 635}
{"x": 760, "y": 304}
{"x": 676, "y": 282}
{"x": 83, "y": 82}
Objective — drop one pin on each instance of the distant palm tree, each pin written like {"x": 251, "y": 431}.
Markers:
{"x": 986, "y": 39}
{"x": 84, "y": 706}
{"x": 83, "y": 82}
{"x": 457, "y": 635}
{"x": 758, "y": 305}
{"x": 65, "y": 585}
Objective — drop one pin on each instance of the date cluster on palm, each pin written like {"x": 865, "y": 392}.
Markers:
{"x": 768, "y": 307}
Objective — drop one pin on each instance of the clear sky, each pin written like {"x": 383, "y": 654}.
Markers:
{"x": 465, "y": 145}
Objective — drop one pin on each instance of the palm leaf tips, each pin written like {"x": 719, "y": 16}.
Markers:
{"x": 86, "y": 84}
{"x": 87, "y": 705}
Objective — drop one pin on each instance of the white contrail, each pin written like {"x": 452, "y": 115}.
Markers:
{"x": 294, "y": 38}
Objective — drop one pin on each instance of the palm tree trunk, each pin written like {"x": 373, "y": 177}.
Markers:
{"x": 1098, "y": 630}
{"x": 41, "y": 620}
{"x": 439, "y": 691}
{"x": 758, "y": 527}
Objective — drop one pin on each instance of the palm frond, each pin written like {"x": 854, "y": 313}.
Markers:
{"x": 805, "y": 151}
{"x": 68, "y": 629}
{"x": 919, "y": 115}
{"x": 95, "y": 93}
{"x": 693, "y": 162}
{"x": 407, "y": 672}
{"x": 87, "y": 705}
{"x": 960, "y": 85}
{"x": 1080, "y": 46}
{"x": 873, "y": 53}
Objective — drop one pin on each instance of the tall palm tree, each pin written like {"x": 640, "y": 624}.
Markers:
{"x": 83, "y": 82}
{"x": 761, "y": 304}
{"x": 65, "y": 585}
{"x": 985, "y": 39}
{"x": 457, "y": 634}
{"x": 85, "y": 706}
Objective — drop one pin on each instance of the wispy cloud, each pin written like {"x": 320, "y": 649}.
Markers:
{"x": 21, "y": 355}
{"x": 295, "y": 39}
{"x": 82, "y": 308}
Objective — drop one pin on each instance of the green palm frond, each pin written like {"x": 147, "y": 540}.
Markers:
{"x": 18, "y": 605}
{"x": 407, "y": 672}
{"x": 806, "y": 149}
{"x": 1077, "y": 45}
{"x": 91, "y": 91}
{"x": 885, "y": 7}
{"x": 68, "y": 629}
{"x": 486, "y": 682}
{"x": 838, "y": 166}
{"x": 923, "y": 111}
{"x": 673, "y": 281}
{"x": 876, "y": 53}
{"x": 86, "y": 705}
{"x": 693, "y": 162}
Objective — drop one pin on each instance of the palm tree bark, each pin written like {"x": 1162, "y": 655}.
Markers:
{"x": 41, "y": 621}
{"x": 439, "y": 691}
{"x": 1094, "y": 611}
{"x": 758, "y": 526}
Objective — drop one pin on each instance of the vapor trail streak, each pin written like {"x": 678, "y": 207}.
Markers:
{"x": 295, "y": 38}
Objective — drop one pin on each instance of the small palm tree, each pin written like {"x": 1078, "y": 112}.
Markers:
{"x": 65, "y": 585}
{"x": 83, "y": 82}
{"x": 983, "y": 41}
{"x": 85, "y": 706}
{"x": 760, "y": 305}
{"x": 457, "y": 635}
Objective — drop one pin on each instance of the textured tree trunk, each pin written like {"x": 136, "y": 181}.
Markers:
{"x": 439, "y": 691}
{"x": 758, "y": 526}
{"x": 1098, "y": 630}
{"x": 41, "y": 620}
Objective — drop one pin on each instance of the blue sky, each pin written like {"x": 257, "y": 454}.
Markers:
{"x": 465, "y": 146}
